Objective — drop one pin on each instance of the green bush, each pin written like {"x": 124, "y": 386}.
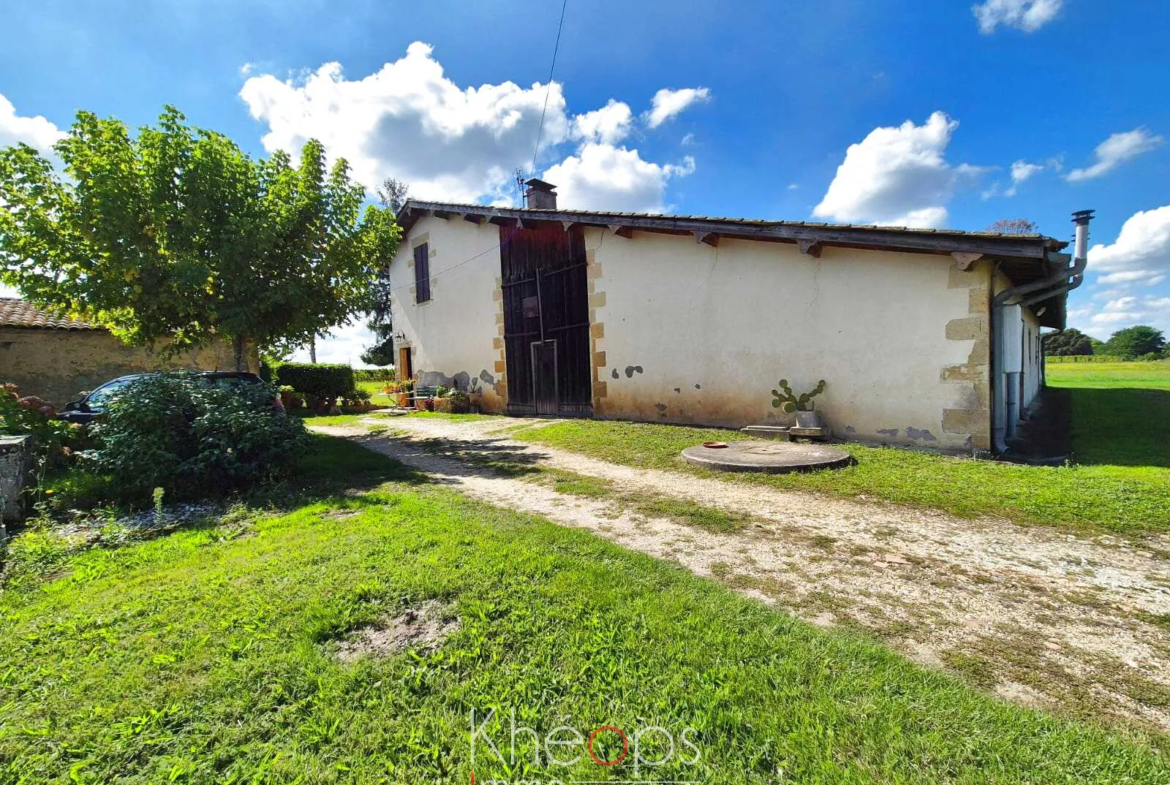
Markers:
{"x": 374, "y": 374}
{"x": 319, "y": 380}
{"x": 191, "y": 438}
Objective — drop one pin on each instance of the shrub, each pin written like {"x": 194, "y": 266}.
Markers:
{"x": 319, "y": 380}
{"x": 191, "y": 438}
{"x": 374, "y": 374}
{"x": 52, "y": 439}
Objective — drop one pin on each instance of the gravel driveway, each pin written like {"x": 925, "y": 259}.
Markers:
{"x": 1080, "y": 624}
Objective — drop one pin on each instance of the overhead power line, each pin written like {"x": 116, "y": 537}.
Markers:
{"x": 548, "y": 87}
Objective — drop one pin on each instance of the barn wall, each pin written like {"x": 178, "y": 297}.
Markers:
{"x": 58, "y": 364}
{"x": 689, "y": 333}
{"x": 457, "y": 336}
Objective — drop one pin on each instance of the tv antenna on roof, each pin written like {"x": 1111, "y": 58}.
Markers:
{"x": 519, "y": 180}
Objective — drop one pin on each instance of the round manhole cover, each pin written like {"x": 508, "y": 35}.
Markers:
{"x": 770, "y": 458}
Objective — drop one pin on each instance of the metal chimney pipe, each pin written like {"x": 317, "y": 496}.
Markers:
{"x": 1081, "y": 245}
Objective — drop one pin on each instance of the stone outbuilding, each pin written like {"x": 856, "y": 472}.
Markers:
{"x": 55, "y": 357}
{"x": 928, "y": 338}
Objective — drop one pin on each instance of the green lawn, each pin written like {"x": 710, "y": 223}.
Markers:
{"x": 1128, "y": 500}
{"x": 206, "y": 656}
{"x": 375, "y": 390}
{"x": 1120, "y": 412}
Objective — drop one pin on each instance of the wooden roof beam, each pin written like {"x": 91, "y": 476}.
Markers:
{"x": 812, "y": 248}
{"x": 966, "y": 259}
{"x": 710, "y": 238}
{"x": 621, "y": 230}
{"x": 474, "y": 218}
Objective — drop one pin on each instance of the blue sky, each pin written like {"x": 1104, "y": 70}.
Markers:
{"x": 947, "y": 114}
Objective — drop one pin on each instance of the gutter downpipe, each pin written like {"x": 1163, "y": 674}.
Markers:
{"x": 1005, "y": 395}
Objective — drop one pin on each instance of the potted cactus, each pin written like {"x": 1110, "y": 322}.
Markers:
{"x": 800, "y": 405}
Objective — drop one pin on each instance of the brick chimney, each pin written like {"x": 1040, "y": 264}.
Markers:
{"x": 540, "y": 195}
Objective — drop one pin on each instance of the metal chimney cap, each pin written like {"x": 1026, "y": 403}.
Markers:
{"x": 1082, "y": 217}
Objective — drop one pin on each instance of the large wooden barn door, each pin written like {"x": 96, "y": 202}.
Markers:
{"x": 546, "y": 320}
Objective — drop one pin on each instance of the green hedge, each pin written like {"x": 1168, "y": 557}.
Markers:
{"x": 320, "y": 380}
{"x": 374, "y": 374}
{"x": 1094, "y": 358}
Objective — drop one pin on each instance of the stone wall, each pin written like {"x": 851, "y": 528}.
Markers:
{"x": 58, "y": 364}
{"x": 14, "y": 468}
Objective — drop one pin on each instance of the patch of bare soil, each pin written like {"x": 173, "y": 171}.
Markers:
{"x": 1031, "y": 614}
{"x": 423, "y": 628}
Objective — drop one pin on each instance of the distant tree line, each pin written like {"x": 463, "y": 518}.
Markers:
{"x": 1140, "y": 342}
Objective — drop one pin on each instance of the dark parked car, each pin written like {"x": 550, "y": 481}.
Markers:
{"x": 93, "y": 404}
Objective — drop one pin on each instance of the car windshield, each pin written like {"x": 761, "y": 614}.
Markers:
{"x": 100, "y": 397}
{"x": 233, "y": 381}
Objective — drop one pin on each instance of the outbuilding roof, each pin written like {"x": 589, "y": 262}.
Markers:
{"x": 20, "y": 313}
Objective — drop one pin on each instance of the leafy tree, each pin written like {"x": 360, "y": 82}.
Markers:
{"x": 1136, "y": 341}
{"x": 393, "y": 194}
{"x": 177, "y": 236}
{"x": 1099, "y": 347}
{"x": 1068, "y": 342}
{"x": 1014, "y": 226}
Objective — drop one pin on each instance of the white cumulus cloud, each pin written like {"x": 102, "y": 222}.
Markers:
{"x": 897, "y": 176}
{"x": 609, "y": 124}
{"x": 462, "y": 144}
{"x": 1026, "y": 15}
{"x": 604, "y": 177}
{"x": 410, "y": 121}
{"x": 34, "y": 131}
{"x": 668, "y": 103}
{"x": 1141, "y": 253}
{"x": 1116, "y": 150}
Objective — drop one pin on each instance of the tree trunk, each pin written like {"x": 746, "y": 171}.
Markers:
{"x": 313, "y": 350}
{"x": 240, "y": 343}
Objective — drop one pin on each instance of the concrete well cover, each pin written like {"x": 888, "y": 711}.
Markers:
{"x": 769, "y": 457}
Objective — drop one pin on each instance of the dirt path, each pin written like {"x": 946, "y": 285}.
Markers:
{"x": 1037, "y": 616}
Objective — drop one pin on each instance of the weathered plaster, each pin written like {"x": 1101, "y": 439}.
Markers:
{"x": 58, "y": 364}
{"x": 457, "y": 335}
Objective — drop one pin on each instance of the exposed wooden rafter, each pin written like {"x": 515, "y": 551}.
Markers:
{"x": 811, "y": 247}
{"x": 621, "y": 230}
{"x": 475, "y": 218}
{"x": 710, "y": 238}
{"x": 966, "y": 259}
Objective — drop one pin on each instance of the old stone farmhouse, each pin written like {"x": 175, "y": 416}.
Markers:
{"x": 56, "y": 357}
{"x": 928, "y": 338}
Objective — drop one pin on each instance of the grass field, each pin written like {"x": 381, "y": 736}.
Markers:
{"x": 208, "y": 655}
{"x": 1120, "y": 411}
{"x": 1121, "y": 440}
{"x": 375, "y": 390}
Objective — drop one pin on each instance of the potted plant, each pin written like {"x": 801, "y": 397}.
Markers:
{"x": 800, "y": 405}
{"x": 460, "y": 402}
{"x": 287, "y": 396}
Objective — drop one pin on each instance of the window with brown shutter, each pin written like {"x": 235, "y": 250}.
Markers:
{"x": 422, "y": 273}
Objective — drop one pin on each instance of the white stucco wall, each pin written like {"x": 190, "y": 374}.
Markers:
{"x": 1033, "y": 358}
{"x": 454, "y": 332}
{"x": 696, "y": 334}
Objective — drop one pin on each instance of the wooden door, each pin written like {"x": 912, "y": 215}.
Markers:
{"x": 546, "y": 320}
{"x": 545, "y": 395}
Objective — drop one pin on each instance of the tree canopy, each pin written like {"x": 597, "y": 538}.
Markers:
{"x": 1064, "y": 343}
{"x": 1014, "y": 226}
{"x": 176, "y": 235}
{"x": 392, "y": 194}
{"x": 1136, "y": 341}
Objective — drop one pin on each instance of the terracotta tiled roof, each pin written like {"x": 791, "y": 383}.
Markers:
{"x": 18, "y": 313}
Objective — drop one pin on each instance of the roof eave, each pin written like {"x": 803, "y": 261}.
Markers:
{"x": 807, "y": 235}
